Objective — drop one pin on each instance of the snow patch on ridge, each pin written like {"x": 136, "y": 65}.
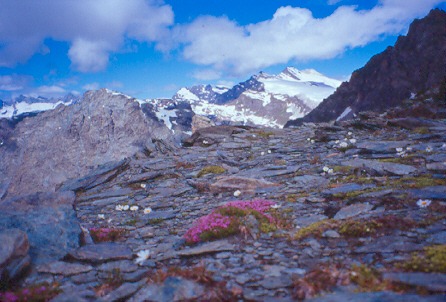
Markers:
{"x": 345, "y": 113}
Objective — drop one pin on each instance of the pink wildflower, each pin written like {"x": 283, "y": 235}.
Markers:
{"x": 9, "y": 297}
{"x": 211, "y": 222}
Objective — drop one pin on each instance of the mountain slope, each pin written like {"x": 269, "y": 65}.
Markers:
{"x": 263, "y": 100}
{"x": 41, "y": 152}
{"x": 415, "y": 64}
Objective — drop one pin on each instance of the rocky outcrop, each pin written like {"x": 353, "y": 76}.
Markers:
{"x": 40, "y": 153}
{"x": 14, "y": 258}
{"x": 48, "y": 221}
{"x": 415, "y": 65}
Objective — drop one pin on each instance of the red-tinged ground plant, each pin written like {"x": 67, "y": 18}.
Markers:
{"x": 322, "y": 279}
{"x": 36, "y": 293}
{"x": 215, "y": 290}
{"x": 228, "y": 220}
{"x": 106, "y": 234}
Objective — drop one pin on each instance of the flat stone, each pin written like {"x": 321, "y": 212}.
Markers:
{"x": 164, "y": 215}
{"x": 382, "y": 146}
{"x": 244, "y": 184}
{"x": 124, "y": 266}
{"x": 437, "y": 238}
{"x": 331, "y": 234}
{"x": 123, "y": 292}
{"x": 64, "y": 268}
{"x": 172, "y": 289}
{"x": 435, "y": 192}
{"x": 390, "y": 244}
{"x": 436, "y": 166}
{"x": 117, "y": 193}
{"x": 375, "y": 297}
{"x": 207, "y": 248}
{"x": 347, "y": 188}
{"x": 96, "y": 177}
{"x": 276, "y": 282}
{"x": 353, "y": 210}
{"x": 101, "y": 252}
{"x": 433, "y": 282}
{"x": 311, "y": 181}
{"x": 382, "y": 168}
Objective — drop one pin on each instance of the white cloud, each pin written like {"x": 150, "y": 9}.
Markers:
{"x": 333, "y": 2}
{"x": 91, "y": 86}
{"x": 13, "y": 82}
{"x": 94, "y": 29}
{"x": 207, "y": 74}
{"x": 48, "y": 91}
{"x": 292, "y": 34}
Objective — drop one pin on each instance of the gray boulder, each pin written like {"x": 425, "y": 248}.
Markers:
{"x": 14, "y": 258}
{"x": 49, "y": 221}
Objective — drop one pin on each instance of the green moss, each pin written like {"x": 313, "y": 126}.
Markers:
{"x": 368, "y": 279}
{"x": 353, "y": 194}
{"x": 264, "y": 134}
{"x": 266, "y": 227}
{"x": 359, "y": 228}
{"x": 315, "y": 229}
{"x": 291, "y": 198}
{"x": 422, "y": 130}
{"x": 431, "y": 260}
{"x": 155, "y": 221}
{"x": 210, "y": 170}
{"x": 415, "y": 182}
{"x": 342, "y": 169}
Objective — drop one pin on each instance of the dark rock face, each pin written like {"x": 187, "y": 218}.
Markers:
{"x": 14, "y": 258}
{"x": 40, "y": 153}
{"x": 49, "y": 221}
{"x": 415, "y": 64}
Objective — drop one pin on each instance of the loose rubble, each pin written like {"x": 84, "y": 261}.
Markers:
{"x": 342, "y": 209}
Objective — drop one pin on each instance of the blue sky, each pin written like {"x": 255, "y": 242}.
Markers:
{"x": 151, "y": 48}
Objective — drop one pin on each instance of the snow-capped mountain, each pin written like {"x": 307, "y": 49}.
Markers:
{"x": 23, "y": 105}
{"x": 266, "y": 100}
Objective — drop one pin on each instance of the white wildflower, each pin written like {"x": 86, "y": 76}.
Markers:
{"x": 119, "y": 207}
{"x": 330, "y": 171}
{"x": 126, "y": 207}
{"x": 237, "y": 193}
{"x": 443, "y": 146}
{"x": 350, "y": 133}
{"x": 423, "y": 203}
{"x": 101, "y": 216}
{"x": 147, "y": 210}
{"x": 134, "y": 208}
{"x": 205, "y": 142}
{"x": 325, "y": 169}
{"x": 337, "y": 141}
{"x": 269, "y": 151}
{"x": 262, "y": 153}
{"x": 353, "y": 140}
{"x": 143, "y": 186}
{"x": 408, "y": 149}
{"x": 275, "y": 206}
{"x": 312, "y": 141}
{"x": 399, "y": 150}
{"x": 429, "y": 149}
{"x": 308, "y": 139}
{"x": 143, "y": 255}
{"x": 343, "y": 145}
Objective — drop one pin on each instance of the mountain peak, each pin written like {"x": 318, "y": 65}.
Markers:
{"x": 414, "y": 65}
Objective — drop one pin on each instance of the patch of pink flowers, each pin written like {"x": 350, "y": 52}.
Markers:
{"x": 36, "y": 293}
{"x": 208, "y": 223}
{"x": 216, "y": 222}
{"x": 105, "y": 234}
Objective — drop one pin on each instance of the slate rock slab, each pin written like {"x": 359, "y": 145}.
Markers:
{"x": 383, "y": 168}
{"x": 102, "y": 252}
{"x": 172, "y": 289}
{"x": 376, "y": 297}
{"x": 212, "y": 247}
{"x": 390, "y": 244}
{"x": 353, "y": 210}
{"x": 433, "y": 282}
{"x": 244, "y": 184}
{"x": 64, "y": 268}
{"x": 49, "y": 221}
{"x": 310, "y": 181}
{"x": 382, "y": 146}
{"x": 14, "y": 258}
{"x": 435, "y": 192}
{"x": 347, "y": 188}
{"x": 305, "y": 221}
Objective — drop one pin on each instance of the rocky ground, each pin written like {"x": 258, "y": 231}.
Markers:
{"x": 360, "y": 215}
